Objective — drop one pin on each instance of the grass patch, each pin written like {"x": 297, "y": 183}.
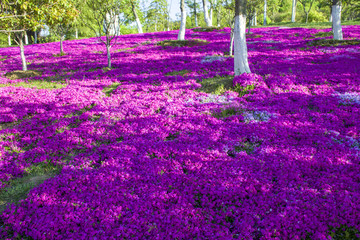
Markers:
{"x": 323, "y": 34}
{"x": 227, "y": 112}
{"x": 206, "y": 29}
{"x": 216, "y": 85}
{"x": 39, "y": 84}
{"x": 110, "y": 89}
{"x": 183, "y": 43}
{"x": 344, "y": 233}
{"x": 332, "y": 42}
{"x": 177, "y": 73}
{"x": 98, "y": 52}
{"x": 20, "y": 74}
{"x": 19, "y": 188}
{"x": 3, "y": 58}
{"x": 243, "y": 90}
{"x": 59, "y": 54}
{"x": 123, "y": 49}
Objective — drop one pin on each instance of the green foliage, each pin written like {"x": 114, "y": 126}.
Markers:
{"x": 227, "y": 112}
{"x": 177, "y": 73}
{"x": 205, "y": 29}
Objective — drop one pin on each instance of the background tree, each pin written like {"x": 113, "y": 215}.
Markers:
{"x": 135, "y": 9}
{"x": 309, "y": 4}
{"x": 18, "y": 16}
{"x": 181, "y": 35}
{"x": 336, "y": 19}
{"x": 265, "y": 12}
{"x": 156, "y": 15}
{"x": 106, "y": 16}
{"x": 193, "y": 5}
{"x": 251, "y": 7}
{"x": 229, "y": 6}
{"x": 293, "y": 10}
{"x": 241, "y": 64}
{"x": 65, "y": 14}
{"x": 206, "y": 14}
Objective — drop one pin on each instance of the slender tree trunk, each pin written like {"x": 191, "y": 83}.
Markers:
{"x": 181, "y": 35}
{"x": 330, "y": 18}
{"x": 265, "y": 10}
{"x": 26, "y": 39}
{"x": 307, "y": 17}
{"x": 293, "y": 12}
{"x": 206, "y": 14}
{"x": 241, "y": 64}
{"x": 76, "y": 33}
{"x": 9, "y": 39}
{"x": 195, "y": 14}
{"x": 249, "y": 25}
{"x": 138, "y": 23}
{"x": 62, "y": 37}
{"x": 211, "y": 15}
{"x": 22, "y": 53}
{"x": 108, "y": 55}
{"x": 336, "y": 16}
{"x": 231, "y": 42}
{"x": 255, "y": 19}
{"x": 35, "y": 37}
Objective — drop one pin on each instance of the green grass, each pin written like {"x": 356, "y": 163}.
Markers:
{"x": 318, "y": 25}
{"x": 177, "y": 73}
{"x": 183, "y": 43}
{"x": 110, "y": 89}
{"x": 323, "y": 34}
{"x": 227, "y": 112}
{"x": 39, "y": 84}
{"x": 332, "y": 42}
{"x": 206, "y": 29}
{"x": 19, "y": 188}
{"x": 216, "y": 85}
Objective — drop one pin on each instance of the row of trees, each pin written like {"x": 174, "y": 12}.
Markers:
{"x": 105, "y": 18}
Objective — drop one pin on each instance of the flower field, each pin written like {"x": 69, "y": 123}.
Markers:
{"x": 146, "y": 151}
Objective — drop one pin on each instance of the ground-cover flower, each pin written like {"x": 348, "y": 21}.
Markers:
{"x": 156, "y": 158}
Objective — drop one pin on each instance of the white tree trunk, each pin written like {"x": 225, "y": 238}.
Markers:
{"x": 9, "y": 39}
{"x": 181, "y": 35}
{"x": 293, "y": 12}
{"x": 195, "y": 13}
{"x": 211, "y": 16}
{"x": 241, "y": 64}
{"x": 108, "y": 55}
{"x": 265, "y": 8}
{"x": 26, "y": 39}
{"x": 35, "y": 37}
{"x": 336, "y": 16}
{"x": 330, "y": 18}
{"x": 231, "y": 49}
{"x": 76, "y": 33}
{"x": 61, "y": 44}
{"x": 206, "y": 14}
{"x": 22, "y": 54}
{"x": 138, "y": 24}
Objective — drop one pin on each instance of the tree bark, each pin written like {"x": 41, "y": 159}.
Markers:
{"x": 336, "y": 16}
{"x": 293, "y": 12}
{"x": 9, "y": 39}
{"x": 195, "y": 14}
{"x": 241, "y": 64}
{"x": 255, "y": 19}
{"x": 265, "y": 10}
{"x": 231, "y": 42}
{"x": 307, "y": 17}
{"x": 26, "y": 39}
{"x": 138, "y": 23}
{"x": 218, "y": 19}
{"x": 108, "y": 55}
{"x": 250, "y": 20}
{"x": 181, "y": 35}
{"x": 22, "y": 53}
{"x": 211, "y": 15}
{"x": 76, "y": 33}
{"x": 35, "y": 37}
{"x": 206, "y": 14}
{"x": 62, "y": 37}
